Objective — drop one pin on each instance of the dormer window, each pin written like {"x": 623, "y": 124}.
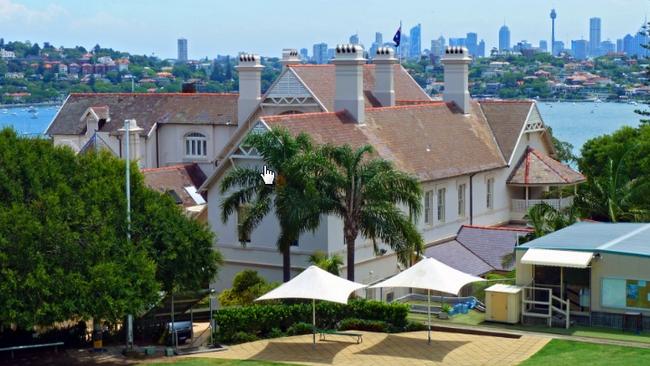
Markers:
{"x": 196, "y": 145}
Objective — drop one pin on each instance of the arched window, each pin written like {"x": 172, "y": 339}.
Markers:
{"x": 196, "y": 145}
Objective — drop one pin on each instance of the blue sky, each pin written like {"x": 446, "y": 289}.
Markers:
{"x": 265, "y": 27}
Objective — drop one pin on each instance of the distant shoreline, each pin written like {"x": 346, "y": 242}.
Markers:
{"x": 23, "y": 105}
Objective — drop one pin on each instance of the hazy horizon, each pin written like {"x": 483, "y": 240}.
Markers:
{"x": 265, "y": 27}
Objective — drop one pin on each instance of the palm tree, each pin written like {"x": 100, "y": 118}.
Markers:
{"x": 545, "y": 219}
{"x": 331, "y": 264}
{"x": 612, "y": 197}
{"x": 293, "y": 197}
{"x": 366, "y": 195}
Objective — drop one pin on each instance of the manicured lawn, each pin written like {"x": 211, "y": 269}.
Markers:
{"x": 560, "y": 352}
{"x": 592, "y": 332}
{"x": 214, "y": 361}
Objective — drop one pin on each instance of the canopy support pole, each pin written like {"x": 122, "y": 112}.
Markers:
{"x": 429, "y": 316}
{"x": 313, "y": 320}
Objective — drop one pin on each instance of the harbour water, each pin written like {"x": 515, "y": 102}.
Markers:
{"x": 26, "y": 122}
{"x": 572, "y": 122}
{"x": 578, "y": 122}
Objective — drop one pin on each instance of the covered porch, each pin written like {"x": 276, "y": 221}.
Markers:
{"x": 559, "y": 287}
{"x": 537, "y": 178}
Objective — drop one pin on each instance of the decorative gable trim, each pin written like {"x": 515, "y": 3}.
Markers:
{"x": 534, "y": 122}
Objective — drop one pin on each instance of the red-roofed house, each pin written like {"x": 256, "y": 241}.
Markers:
{"x": 463, "y": 151}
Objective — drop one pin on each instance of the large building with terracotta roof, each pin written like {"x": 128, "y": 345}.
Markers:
{"x": 479, "y": 162}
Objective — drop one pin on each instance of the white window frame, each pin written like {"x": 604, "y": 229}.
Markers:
{"x": 441, "y": 199}
{"x": 462, "y": 199}
{"x": 196, "y": 145}
{"x": 428, "y": 207}
{"x": 489, "y": 193}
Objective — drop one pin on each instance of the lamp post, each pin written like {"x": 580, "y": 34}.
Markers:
{"x": 212, "y": 292}
{"x": 127, "y": 127}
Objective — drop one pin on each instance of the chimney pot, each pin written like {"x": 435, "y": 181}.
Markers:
{"x": 250, "y": 85}
{"x": 456, "y": 62}
{"x": 384, "y": 76}
{"x": 348, "y": 63}
{"x": 289, "y": 57}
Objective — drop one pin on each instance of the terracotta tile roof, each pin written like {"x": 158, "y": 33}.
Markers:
{"x": 175, "y": 178}
{"x": 147, "y": 109}
{"x": 321, "y": 80}
{"x": 536, "y": 168}
{"x": 506, "y": 119}
{"x": 431, "y": 141}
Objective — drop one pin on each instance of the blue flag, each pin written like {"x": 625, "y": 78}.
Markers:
{"x": 398, "y": 36}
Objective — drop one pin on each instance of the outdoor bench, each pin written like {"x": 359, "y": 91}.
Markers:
{"x": 30, "y": 346}
{"x": 324, "y": 332}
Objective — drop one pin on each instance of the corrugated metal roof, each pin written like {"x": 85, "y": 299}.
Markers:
{"x": 621, "y": 238}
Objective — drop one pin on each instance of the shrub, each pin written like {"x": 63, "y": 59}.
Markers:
{"x": 300, "y": 328}
{"x": 362, "y": 324}
{"x": 446, "y": 308}
{"x": 243, "y": 337}
{"x": 275, "y": 333}
{"x": 260, "y": 320}
{"x": 412, "y": 326}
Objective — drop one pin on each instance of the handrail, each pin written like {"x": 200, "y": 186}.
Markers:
{"x": 563, "y": 309}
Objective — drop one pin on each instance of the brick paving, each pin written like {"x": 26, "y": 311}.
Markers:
{"x": 381, "y": 349}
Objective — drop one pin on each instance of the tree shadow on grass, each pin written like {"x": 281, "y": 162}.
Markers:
{"x": 413, "y": 348}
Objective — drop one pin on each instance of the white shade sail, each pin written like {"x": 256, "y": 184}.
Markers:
{"x": 557, "y": 258}
{"x": 314, "y": 283}
{"x": 430, "y": 274}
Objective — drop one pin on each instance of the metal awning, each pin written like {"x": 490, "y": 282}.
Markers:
{"x": 557, "y": 258}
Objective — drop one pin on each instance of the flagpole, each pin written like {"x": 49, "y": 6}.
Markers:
{"x": 399, "y": 48}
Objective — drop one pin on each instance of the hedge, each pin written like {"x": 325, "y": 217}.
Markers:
{"x": 262, "y": 321}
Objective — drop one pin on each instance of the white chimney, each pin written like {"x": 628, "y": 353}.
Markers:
{"x": 289, "y": 57}
{"x": 135, "y": 142}
{"x": 349, "y": 63}
{"x": 456, "y": 64}
{"x": 384, "y": 76}
{"x": 250, "y": 85}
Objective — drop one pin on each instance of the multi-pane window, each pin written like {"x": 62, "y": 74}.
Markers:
{"x": 242, "y": 211}
{"x": 490, "y": 193}
{"x": 196, "y": 145}
{"x": 461, "y": 200}
{"x": 441, "y": 204}
{"x": 428, "y": 207}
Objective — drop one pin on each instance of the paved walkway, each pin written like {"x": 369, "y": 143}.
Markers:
{"x": 390, "y": 349}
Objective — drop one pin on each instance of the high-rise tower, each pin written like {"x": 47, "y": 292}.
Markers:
{"x": 594, "y": 37}
{"x": 553, "y": 16}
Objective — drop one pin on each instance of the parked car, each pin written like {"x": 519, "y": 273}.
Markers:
{"x": 183, "y": 330}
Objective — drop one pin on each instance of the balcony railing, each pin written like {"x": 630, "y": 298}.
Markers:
{"x": 519, "y": 207}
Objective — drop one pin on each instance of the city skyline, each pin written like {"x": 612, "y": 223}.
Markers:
{"x": 143, "y": 28}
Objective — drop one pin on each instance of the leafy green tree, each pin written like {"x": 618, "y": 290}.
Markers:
{"x": 366, "y": 194}
{"x": 64, "y": 252}
{"x": 294, "y": 197}
{"x": 330, "y": 263}
{"x": 247, "y": 286}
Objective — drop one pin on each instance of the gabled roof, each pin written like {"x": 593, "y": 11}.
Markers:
{"x": 477, "y": 249}
{"x": 146, "y": 108}
{"x": 619, "y": 238}
{"x": 321, "y": 81}
{"x": 537, "y": 168}
{"x": 431, "y": 141}
{"x": 507, "y": 120}
{"x": 175, "y": 178}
